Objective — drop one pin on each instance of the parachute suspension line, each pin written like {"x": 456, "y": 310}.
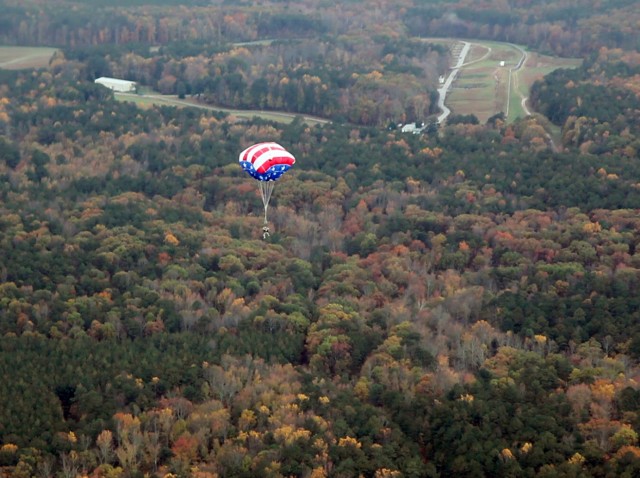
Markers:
{"x": 266, "y": 188}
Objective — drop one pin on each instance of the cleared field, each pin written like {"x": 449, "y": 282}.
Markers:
{"x": 477, "y": 53}
{"x": 539, "y": 65}
{"x": 483, "y": 84}
{"x": 20, "y": 58}
{"x": 148, "y": 99}
{"x": 493, "y": 80}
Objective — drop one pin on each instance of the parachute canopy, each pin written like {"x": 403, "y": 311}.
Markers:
{"x": 266, "y": 161}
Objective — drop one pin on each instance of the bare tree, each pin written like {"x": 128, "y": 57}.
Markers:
{"x": 105, "y": 446}
{"x": 70, "y": 465}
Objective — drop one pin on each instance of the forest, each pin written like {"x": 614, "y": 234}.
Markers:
{"x": 462, "y": 302}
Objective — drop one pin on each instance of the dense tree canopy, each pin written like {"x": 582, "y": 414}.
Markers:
{"x": 462, "y": 302}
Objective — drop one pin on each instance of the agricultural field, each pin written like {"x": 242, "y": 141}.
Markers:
{"x": 19, "y": 58}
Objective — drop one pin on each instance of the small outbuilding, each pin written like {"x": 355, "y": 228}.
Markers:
{"x": 115, "y": 84}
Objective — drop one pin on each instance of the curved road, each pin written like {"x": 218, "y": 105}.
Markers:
{"x": 523, "y": 99}
{"x": 442, "y": 91}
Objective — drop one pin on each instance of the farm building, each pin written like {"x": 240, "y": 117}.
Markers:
{"x": 116, "y": 84}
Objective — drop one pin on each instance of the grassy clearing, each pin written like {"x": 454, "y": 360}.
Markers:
{"x": 140, "y": 101}
{"x": 483, "y": 85}
{"x": 478, "y": 90}
{"x": 20, "y": 58}
{"x": 535, "y": 68}
{"x": 538, "y": 66}
{"x": 477, "y": 53}
{"x": 254, "y": 42}
{"x": 488, "y": 83}
{"x": 149, "y": 99}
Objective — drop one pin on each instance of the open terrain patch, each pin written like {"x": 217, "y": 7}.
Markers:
{"x": 496, "y": 77}
{"x": 21, "y": 58}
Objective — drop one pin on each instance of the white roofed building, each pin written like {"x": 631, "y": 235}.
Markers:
{"x": 115, "y": 84}
{"x": 409, "y": 128}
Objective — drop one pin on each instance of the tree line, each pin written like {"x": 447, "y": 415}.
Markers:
{"x": 560, "y": 28}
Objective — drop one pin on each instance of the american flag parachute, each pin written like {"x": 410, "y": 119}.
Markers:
{"x": 266, "y": 162}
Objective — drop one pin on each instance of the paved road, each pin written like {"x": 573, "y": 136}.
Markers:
{"x": 442, "y": 91}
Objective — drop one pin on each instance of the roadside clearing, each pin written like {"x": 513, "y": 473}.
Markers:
{"x": 173, "y": 100}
